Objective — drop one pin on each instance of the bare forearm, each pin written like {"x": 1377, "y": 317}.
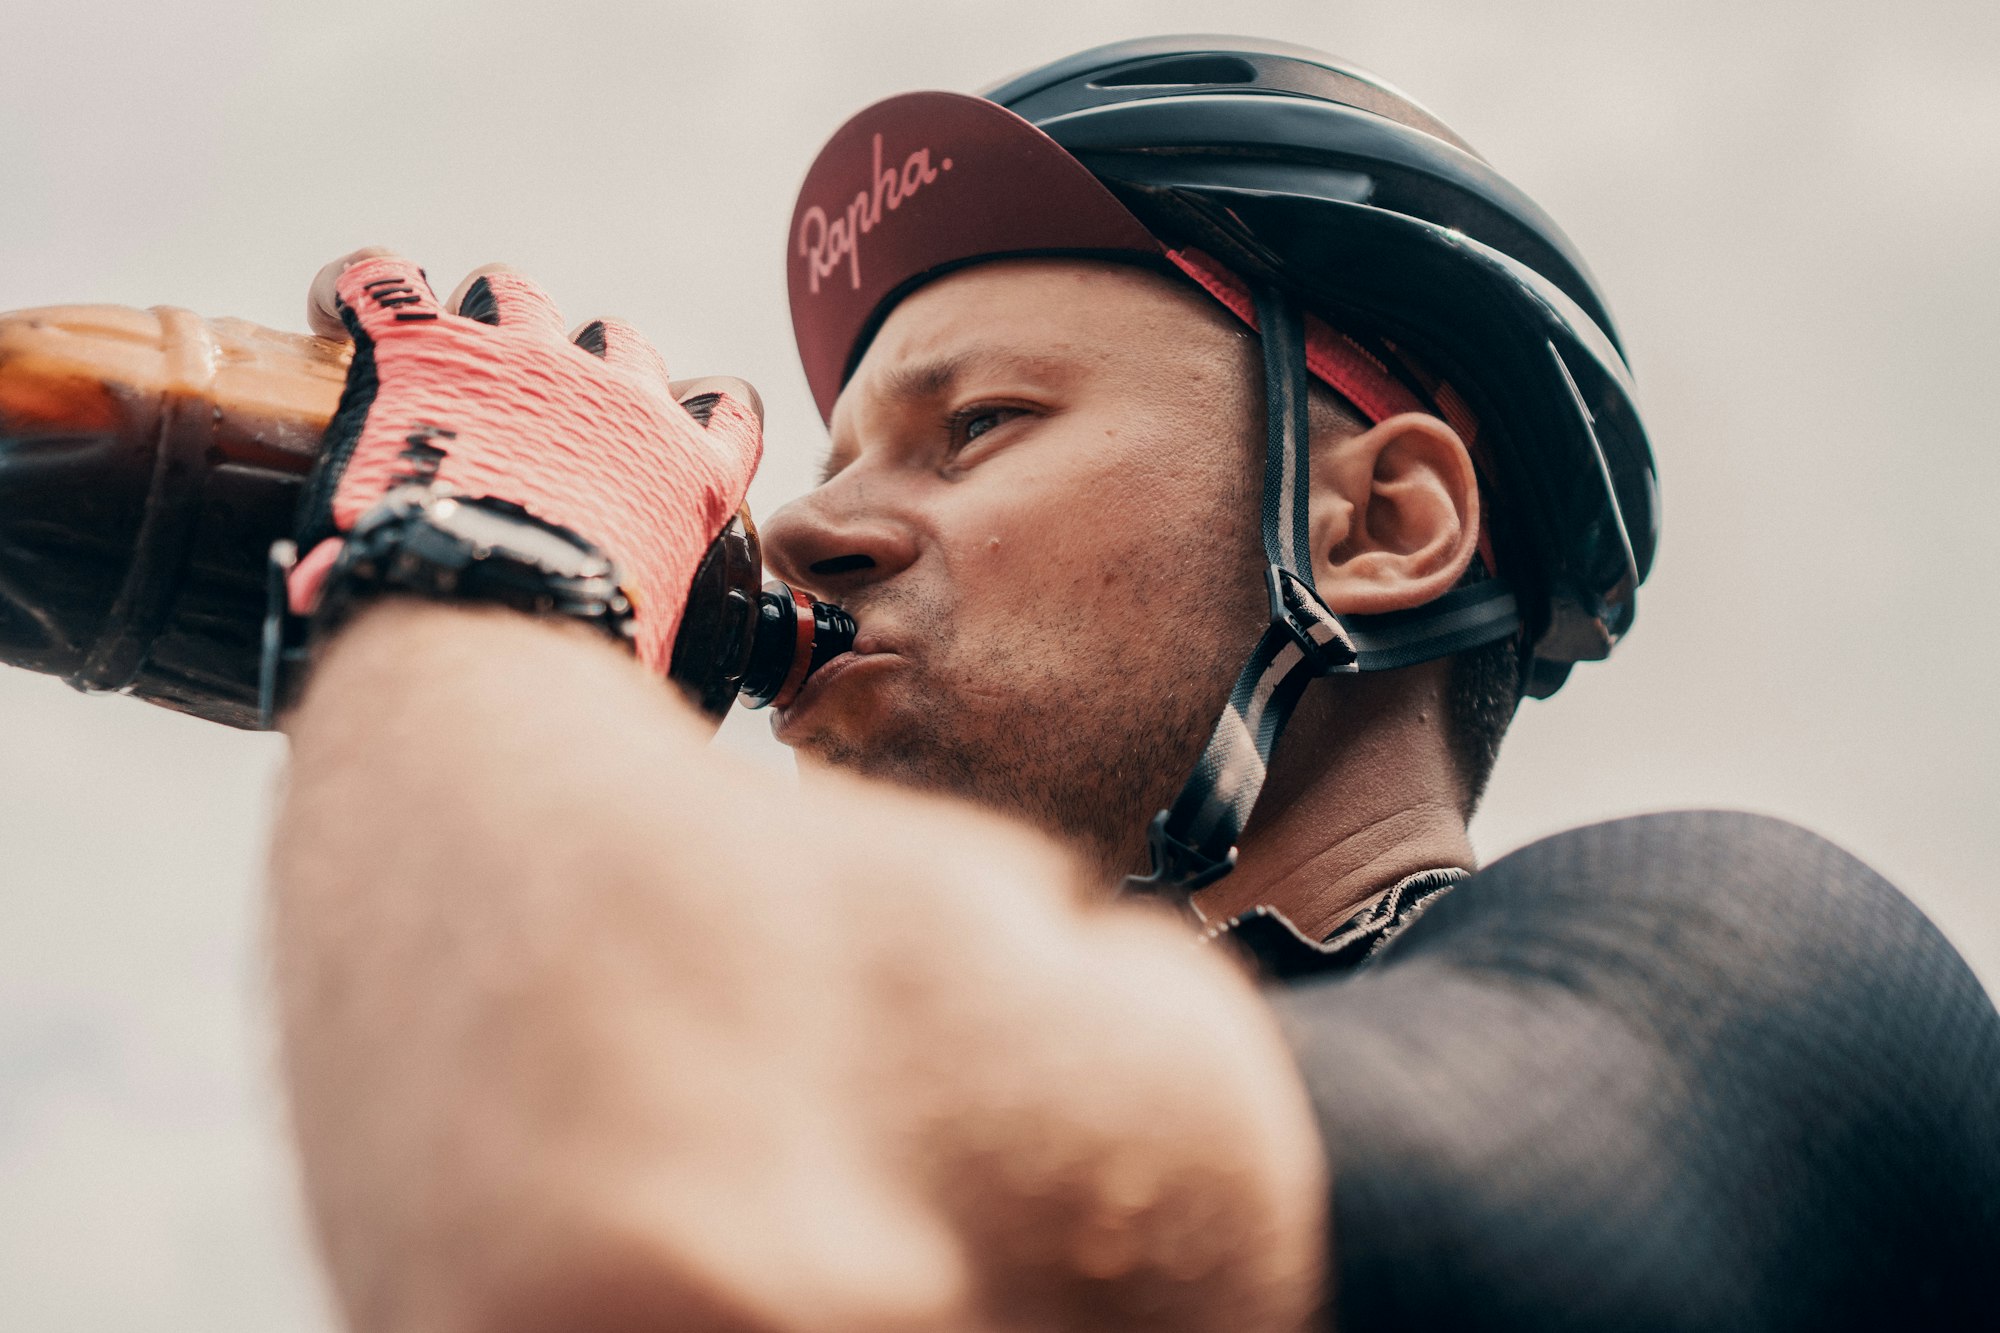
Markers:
{"x": 563, "y": 1030}
{"x": 501, "y": 861}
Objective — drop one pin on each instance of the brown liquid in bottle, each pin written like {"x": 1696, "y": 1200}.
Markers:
{"x": 149, "y": 458}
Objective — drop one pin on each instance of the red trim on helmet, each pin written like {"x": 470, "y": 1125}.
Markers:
{"x": 1348, "y": 368}
{"x": 1339, "y": 362}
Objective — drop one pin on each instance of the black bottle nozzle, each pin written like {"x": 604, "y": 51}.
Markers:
{"x": 794, "y": 637}
{"x": 740, "y": 644}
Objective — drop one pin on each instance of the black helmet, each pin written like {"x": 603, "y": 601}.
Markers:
{"x": 1290, "y": 165}
{"x": 1330, "y": 194}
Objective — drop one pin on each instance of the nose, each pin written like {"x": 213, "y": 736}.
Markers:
{"x": 832, "y": 542}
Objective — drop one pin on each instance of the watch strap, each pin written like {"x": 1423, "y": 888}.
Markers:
{"x": 421, "y": 541}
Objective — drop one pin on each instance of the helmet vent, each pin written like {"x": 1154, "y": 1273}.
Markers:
{"x": 1181, "y": 72}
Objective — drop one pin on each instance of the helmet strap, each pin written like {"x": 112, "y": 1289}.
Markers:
{"x": 1193, "y": 841}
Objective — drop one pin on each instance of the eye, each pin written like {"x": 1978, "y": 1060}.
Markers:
{"x": 969, "y": 423}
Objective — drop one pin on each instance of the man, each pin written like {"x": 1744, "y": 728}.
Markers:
{"x": 587, "y": 1029}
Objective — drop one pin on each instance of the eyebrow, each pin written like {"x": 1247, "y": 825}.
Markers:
{"x": 935, "y": 378}
{"x": 925, "y": 381}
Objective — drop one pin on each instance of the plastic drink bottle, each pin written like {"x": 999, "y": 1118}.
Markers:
{"x": 149, "y": 458}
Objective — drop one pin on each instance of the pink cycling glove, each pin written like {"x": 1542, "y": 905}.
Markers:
{"x": 494, "y": 401}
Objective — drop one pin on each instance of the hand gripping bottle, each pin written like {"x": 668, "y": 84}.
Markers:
{"x": 148, "y": 460}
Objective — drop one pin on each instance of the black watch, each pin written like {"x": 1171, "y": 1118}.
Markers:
{"x": 421, "y": 541}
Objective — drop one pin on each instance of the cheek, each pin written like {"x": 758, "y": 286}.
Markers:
{"x": 1048, "y": 528}
{"x": 1092, "y": 553}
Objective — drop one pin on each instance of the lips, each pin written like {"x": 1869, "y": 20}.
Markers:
{"x": 827, "y": 678}
{"x": 870, "y": 648}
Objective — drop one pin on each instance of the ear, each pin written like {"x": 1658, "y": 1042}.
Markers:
{"x": 1395, "y": 515}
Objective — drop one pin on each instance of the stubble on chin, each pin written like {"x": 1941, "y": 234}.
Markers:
{"x": 1085, "y": 764}
{"x": 1054, "y": 723}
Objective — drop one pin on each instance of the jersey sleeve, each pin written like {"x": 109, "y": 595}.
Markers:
{"x": 1687, "y": 1071}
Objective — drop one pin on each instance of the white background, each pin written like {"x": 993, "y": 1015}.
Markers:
{"x": 1794, "y": 207}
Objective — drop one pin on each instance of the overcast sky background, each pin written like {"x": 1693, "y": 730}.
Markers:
{"x": 1795, "y": 209}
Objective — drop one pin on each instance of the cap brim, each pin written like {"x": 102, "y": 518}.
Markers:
{"x": 916, "y": 186}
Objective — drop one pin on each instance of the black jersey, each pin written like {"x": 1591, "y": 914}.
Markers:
{"x": 1690, "y": 1071}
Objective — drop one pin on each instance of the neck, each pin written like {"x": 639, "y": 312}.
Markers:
{"x": 1354, "y": 803}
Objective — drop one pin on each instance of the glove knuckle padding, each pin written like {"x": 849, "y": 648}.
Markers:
{"x": 595, "y": 445}
{"x": 624, "y": 345}
{"x": 525, "y": 308}
{"x": 387, "y": 293}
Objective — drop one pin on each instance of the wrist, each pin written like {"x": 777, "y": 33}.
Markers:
{"x": 414, "y": 658}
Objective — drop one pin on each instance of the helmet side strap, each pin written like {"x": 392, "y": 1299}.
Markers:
{"x": 1193, "y": 841}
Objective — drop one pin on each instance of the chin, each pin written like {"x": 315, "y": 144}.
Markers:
{"x": 863, "y": 746}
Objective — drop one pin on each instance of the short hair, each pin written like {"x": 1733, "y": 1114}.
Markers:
{"x": 1481, "y": 697}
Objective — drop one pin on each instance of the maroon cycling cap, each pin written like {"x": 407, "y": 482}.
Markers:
{"x": 918, "y": 185}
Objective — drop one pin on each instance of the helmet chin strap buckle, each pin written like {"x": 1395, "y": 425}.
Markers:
{"x": 1297, "y": 608}
{"x": 1179, "y": 870}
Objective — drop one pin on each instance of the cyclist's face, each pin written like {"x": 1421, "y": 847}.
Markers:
{"x": 1039, "y": 507}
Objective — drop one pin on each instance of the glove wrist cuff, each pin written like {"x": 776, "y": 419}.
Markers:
{"x": 424, "y": 541}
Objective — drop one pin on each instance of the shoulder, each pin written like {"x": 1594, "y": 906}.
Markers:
{"x": 1702, "y": 910}
{"x": 1700, "y": 1066}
